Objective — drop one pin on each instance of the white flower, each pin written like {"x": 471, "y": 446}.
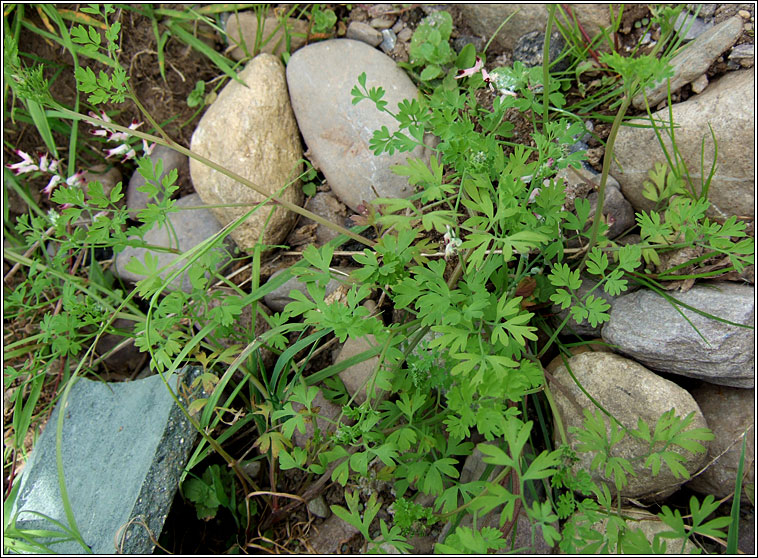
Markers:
{"x": 23, "y": 166}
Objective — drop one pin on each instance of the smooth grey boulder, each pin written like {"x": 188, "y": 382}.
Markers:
{"x": 171, "y": 160}
{"x": 644, "y": 326}
{"x": 192, "y": 226}
{"x": 628, "y": 391}
{"x": 728, "y": 106}
{"x": 124, "y": 446}
{"x": 694, "y": 60}
{"x": 252, "y": 132}
{"x": 320, "y": 79}
{"x": 730, "y": 412}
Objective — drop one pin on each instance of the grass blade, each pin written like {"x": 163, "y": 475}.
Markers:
{"x": 43, "y": 126}
{"x": 734, "y": 526}
{"x": 189, "y": 39}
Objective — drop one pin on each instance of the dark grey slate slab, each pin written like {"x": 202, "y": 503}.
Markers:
{"x": 124, "y": 446}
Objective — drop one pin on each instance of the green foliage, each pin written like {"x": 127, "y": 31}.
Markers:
{"x": 215, "y": 489}
{"x": 430, "y": 45}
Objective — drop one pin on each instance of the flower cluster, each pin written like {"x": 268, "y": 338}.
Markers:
{"x": 450, "y": 242}
{"x": 488, "y": 78}
{"x": 46, "y": 165}
{"x": 112, "y": 136}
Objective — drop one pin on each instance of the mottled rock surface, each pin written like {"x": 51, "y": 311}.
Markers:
{"x": 728, "y": 105}
{"x": 252, "y": 132}
{"x": 644, "y": 326}
{"x": 628, "y": 391}
{"x": 242, "y": 29}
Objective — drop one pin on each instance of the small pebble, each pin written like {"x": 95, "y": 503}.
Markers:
{"x": 699, "y": 85}
{"x": 365, "y": 33}
{"x": 405, "y": 35}
{"x": 399, "y": 26}
{"x": 318, "y": 507}
{"x": 389, "y": 40}
{"x": 744, "y": 14}
{"x": 384, "y": 22}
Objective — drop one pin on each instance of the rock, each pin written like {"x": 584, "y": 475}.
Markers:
{"x": 649, "y": 524}
{"x": 691, "y": 26}
{"x": 365, "y": 33}
{"x": 729, "y": 413}
{"x": 644, "y": 326}
{"x": 460, "y": 42}
{"x": 594, "y": 346}
{"x": 584, "y": 329}
{"x": 125, "y": 359}
{"x": 389, "y": 40}
{"x": 136, "y": 200}
{"x": 747, "y": 534}
{"x": 699, "y": 85}
{"x": 529, "y": 47}
{"x": 694, "y": 60}
{"x": 338, "y": 133}
{"x": 628, "y": 391}
{"x": 124, "y": 447}
{"x": 327, "y": 412}
{"x": 252, "y": 468}
{"x": 484, "y": 20}
{"x": 191, "y": 226}
{"x": 384, "y": 22}
{"x": 333, "y": 535}
{"x": 242, "y": 28}
{"x": 318, "y": 507}
{"x": 745, "y": 54}
{"x": 251, "y": 131}
{"x": 406, "y": 35}
{"x": 280, "y": 297}
{"x": 107, "y": 177}
{"x": 357, "y": 377}
{"x": 326, "y": 205}
{"x": 728, "y": 106}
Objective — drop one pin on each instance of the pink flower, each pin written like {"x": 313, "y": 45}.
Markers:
{"x": 76, "y": 179}
{"x": 48, "y": 190}
{"x": 119, "y": 150}
{"x": 470, "y": 71}
{"x": 147, "y": 149}
{"x": 23, "y": 166}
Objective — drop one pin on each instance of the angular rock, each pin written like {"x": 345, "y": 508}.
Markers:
{"x": 334, "y": 536}
{"x": 649, "y": 524}
{"x": 252, "y": 132}
{"x": 529, "y": 47}
{"x": 363, "y": 32}
{"x": 136, "y": 200}
{"x": 357, "y": 377}
{"x": 326, "y": 205}
{"x": 327, "y": 412}
{"x": 628, "y": 391}
{"x": 124, "y": 447}
{"x": 584, "y": 329}
{"x": 318, "y": 507}
{"x": 644, "y": 326}
{"x": 484, "y": 20}
{"x": 728, "y": 105}
{"x": 694, "y": 26}
{"x": 242, "y": 29}
{"x": 694, "y": 60}
{"x": 191, "y": 226}
{"x": 280, "y": 297}
{"x": 729, "y": 412}
{"x": 320, "y": 78}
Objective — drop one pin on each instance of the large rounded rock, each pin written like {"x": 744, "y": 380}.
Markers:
{"x": 337, "y": 132}
{"x": 730, "y": 413}
{"x": 628, "y": 391}
{"x": 728, "y": 106}
{"x": 485, "y": 19}
{"x": 190, "y": 226}
{"x": 644, "y": 326}
{"x": 252, "y": 132}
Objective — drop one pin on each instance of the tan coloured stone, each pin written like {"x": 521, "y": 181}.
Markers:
{"x": 242, "y": 28}
{"x": 728, "y": 105}
{"x": 628, "y": 391}
{"x": 252, "y": 132}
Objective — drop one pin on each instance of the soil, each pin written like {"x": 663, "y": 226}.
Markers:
{"x": 166, "y": 100}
